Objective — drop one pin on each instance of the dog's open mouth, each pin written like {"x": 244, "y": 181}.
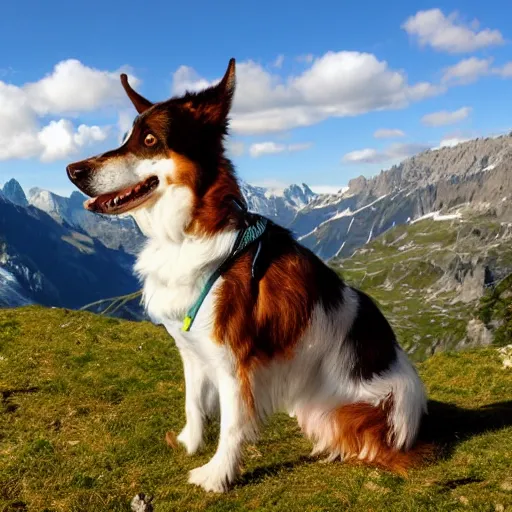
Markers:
{"x": 123, "y": 200}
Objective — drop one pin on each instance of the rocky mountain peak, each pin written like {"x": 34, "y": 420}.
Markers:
{"x": 12, "y": 190}
{"x": 357, "y": 185}
{"x": 299, "y": 195}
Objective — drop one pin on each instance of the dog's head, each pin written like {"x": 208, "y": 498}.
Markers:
{"x": 170, "y": 169}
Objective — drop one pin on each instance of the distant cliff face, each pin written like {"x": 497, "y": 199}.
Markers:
{"x": 48, "y": 263}
{"x": 432, "y": 276}
{"x": 280, "y": 206}
{"x": 120, "y": 233}
{"x": 12, "y": 190}
{"x": 54, "y": 252}
{"x": 477, "y": 172}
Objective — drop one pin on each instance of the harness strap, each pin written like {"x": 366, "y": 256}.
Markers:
{"x": 244, "y": 239}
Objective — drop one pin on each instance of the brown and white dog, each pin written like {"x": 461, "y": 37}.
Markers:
{"x": 297, "y": 339}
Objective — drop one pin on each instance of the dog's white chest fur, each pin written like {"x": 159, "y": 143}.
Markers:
{"x": 174, "y": 274}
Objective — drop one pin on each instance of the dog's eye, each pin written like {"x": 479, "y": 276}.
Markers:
{"x": 150, "y": 140}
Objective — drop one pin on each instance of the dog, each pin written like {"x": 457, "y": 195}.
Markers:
{"x": 262, "y": 324}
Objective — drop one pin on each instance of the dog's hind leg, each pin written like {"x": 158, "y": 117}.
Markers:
{"x": 200, "y": 401}
{"x": 236, "y": 427}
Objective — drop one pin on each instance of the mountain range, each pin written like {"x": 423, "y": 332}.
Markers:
{"x": 477, "y": 172}
{"x": 54, "y": 252}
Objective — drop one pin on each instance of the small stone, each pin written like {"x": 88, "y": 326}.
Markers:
{"x": 73, "y": 443}
{"x": 507, "y": 485}
{"x": 141, "y": 503}
{"x": 499, "y": 507}
{"x": 506, "y": 355}
{"x": 464, "y": 500}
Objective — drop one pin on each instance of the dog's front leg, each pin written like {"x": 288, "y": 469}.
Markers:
{"x": 198, "y": 389}
{"x": 236, "y": 426}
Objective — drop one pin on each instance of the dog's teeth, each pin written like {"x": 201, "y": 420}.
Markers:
{"x": 116, "y": 200}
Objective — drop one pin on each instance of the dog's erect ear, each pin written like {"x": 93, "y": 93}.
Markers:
{"x": 214, "y": 103}
{"x": 139, "y": 102}
{"x": 226, "y": 87}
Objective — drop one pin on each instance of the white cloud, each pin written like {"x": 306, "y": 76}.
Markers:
{"x": 445, "y": 117}
{"x": 338, "y": 84}
{"x": 393, "y": 152}
{"x": 186, "y": 78}
{"x": 266, "y": 148}
{"x": 18, "y": 124}
{"x": 86, "y": 135}
{"x": 448, "y": 33}
{"x": 124, "y": 124}
{"x": 59, "y": 140}
{"x": 73, "y": 87}
{"x": 505, "y": 71}
{"x": 388, "y": 133}
{"x": 70, "y": 88}
{"x": 367, "y": 155}
{"x": 467, "y": 71}
{"x": 278, "y": 63}
{"x": 271, "y": 148}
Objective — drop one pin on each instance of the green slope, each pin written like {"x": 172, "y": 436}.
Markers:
{"x": 86, "y": 402}
{"x": 429, "y": 277}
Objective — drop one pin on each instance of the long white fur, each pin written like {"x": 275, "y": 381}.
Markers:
{"x": 174, "y": 267}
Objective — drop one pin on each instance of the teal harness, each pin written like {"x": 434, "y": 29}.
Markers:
{"x": 244, "y": 239}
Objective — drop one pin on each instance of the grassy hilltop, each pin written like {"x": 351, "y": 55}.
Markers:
{"x": 86, "y": 402}
{"x": 443, "y": 284}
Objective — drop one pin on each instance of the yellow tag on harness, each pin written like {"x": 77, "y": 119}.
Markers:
{"x": 187, "y": 321}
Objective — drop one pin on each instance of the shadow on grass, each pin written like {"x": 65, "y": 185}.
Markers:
{"x": 447, "y": 425}
{"x": 260, "y": 473}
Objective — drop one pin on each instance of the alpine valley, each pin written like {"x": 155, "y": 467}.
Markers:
{"x": 430, "y": 239}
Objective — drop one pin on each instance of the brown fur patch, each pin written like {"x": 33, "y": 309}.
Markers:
{"x": 214, "y": 209}
{"x": 264, "y": 320}
{"x": 360, "y": 432}
{"x": 186, "y": 171}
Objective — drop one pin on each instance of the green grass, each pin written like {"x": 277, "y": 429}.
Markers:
{"x": 496, "y": 307}
{"x": 411, "y": 271}
{"x": 86, "y": 402}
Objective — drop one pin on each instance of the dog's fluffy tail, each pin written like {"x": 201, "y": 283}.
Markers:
{"x": 383, "y": 434}
{"x": 361, "y": 432}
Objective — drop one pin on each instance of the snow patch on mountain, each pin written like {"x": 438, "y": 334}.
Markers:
{"x": 11, "y": 293}
{"x": 438, "y": 216}
{"x": 280, "y": 205}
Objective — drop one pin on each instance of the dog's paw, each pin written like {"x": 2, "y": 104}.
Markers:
{"x": 190, "y": 440}
{"x": 212, "y": 477}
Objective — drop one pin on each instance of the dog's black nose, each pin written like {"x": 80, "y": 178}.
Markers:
{"x": 77, "y": 171}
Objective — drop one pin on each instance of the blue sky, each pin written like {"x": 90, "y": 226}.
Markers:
{"x": 316, "y": 80}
